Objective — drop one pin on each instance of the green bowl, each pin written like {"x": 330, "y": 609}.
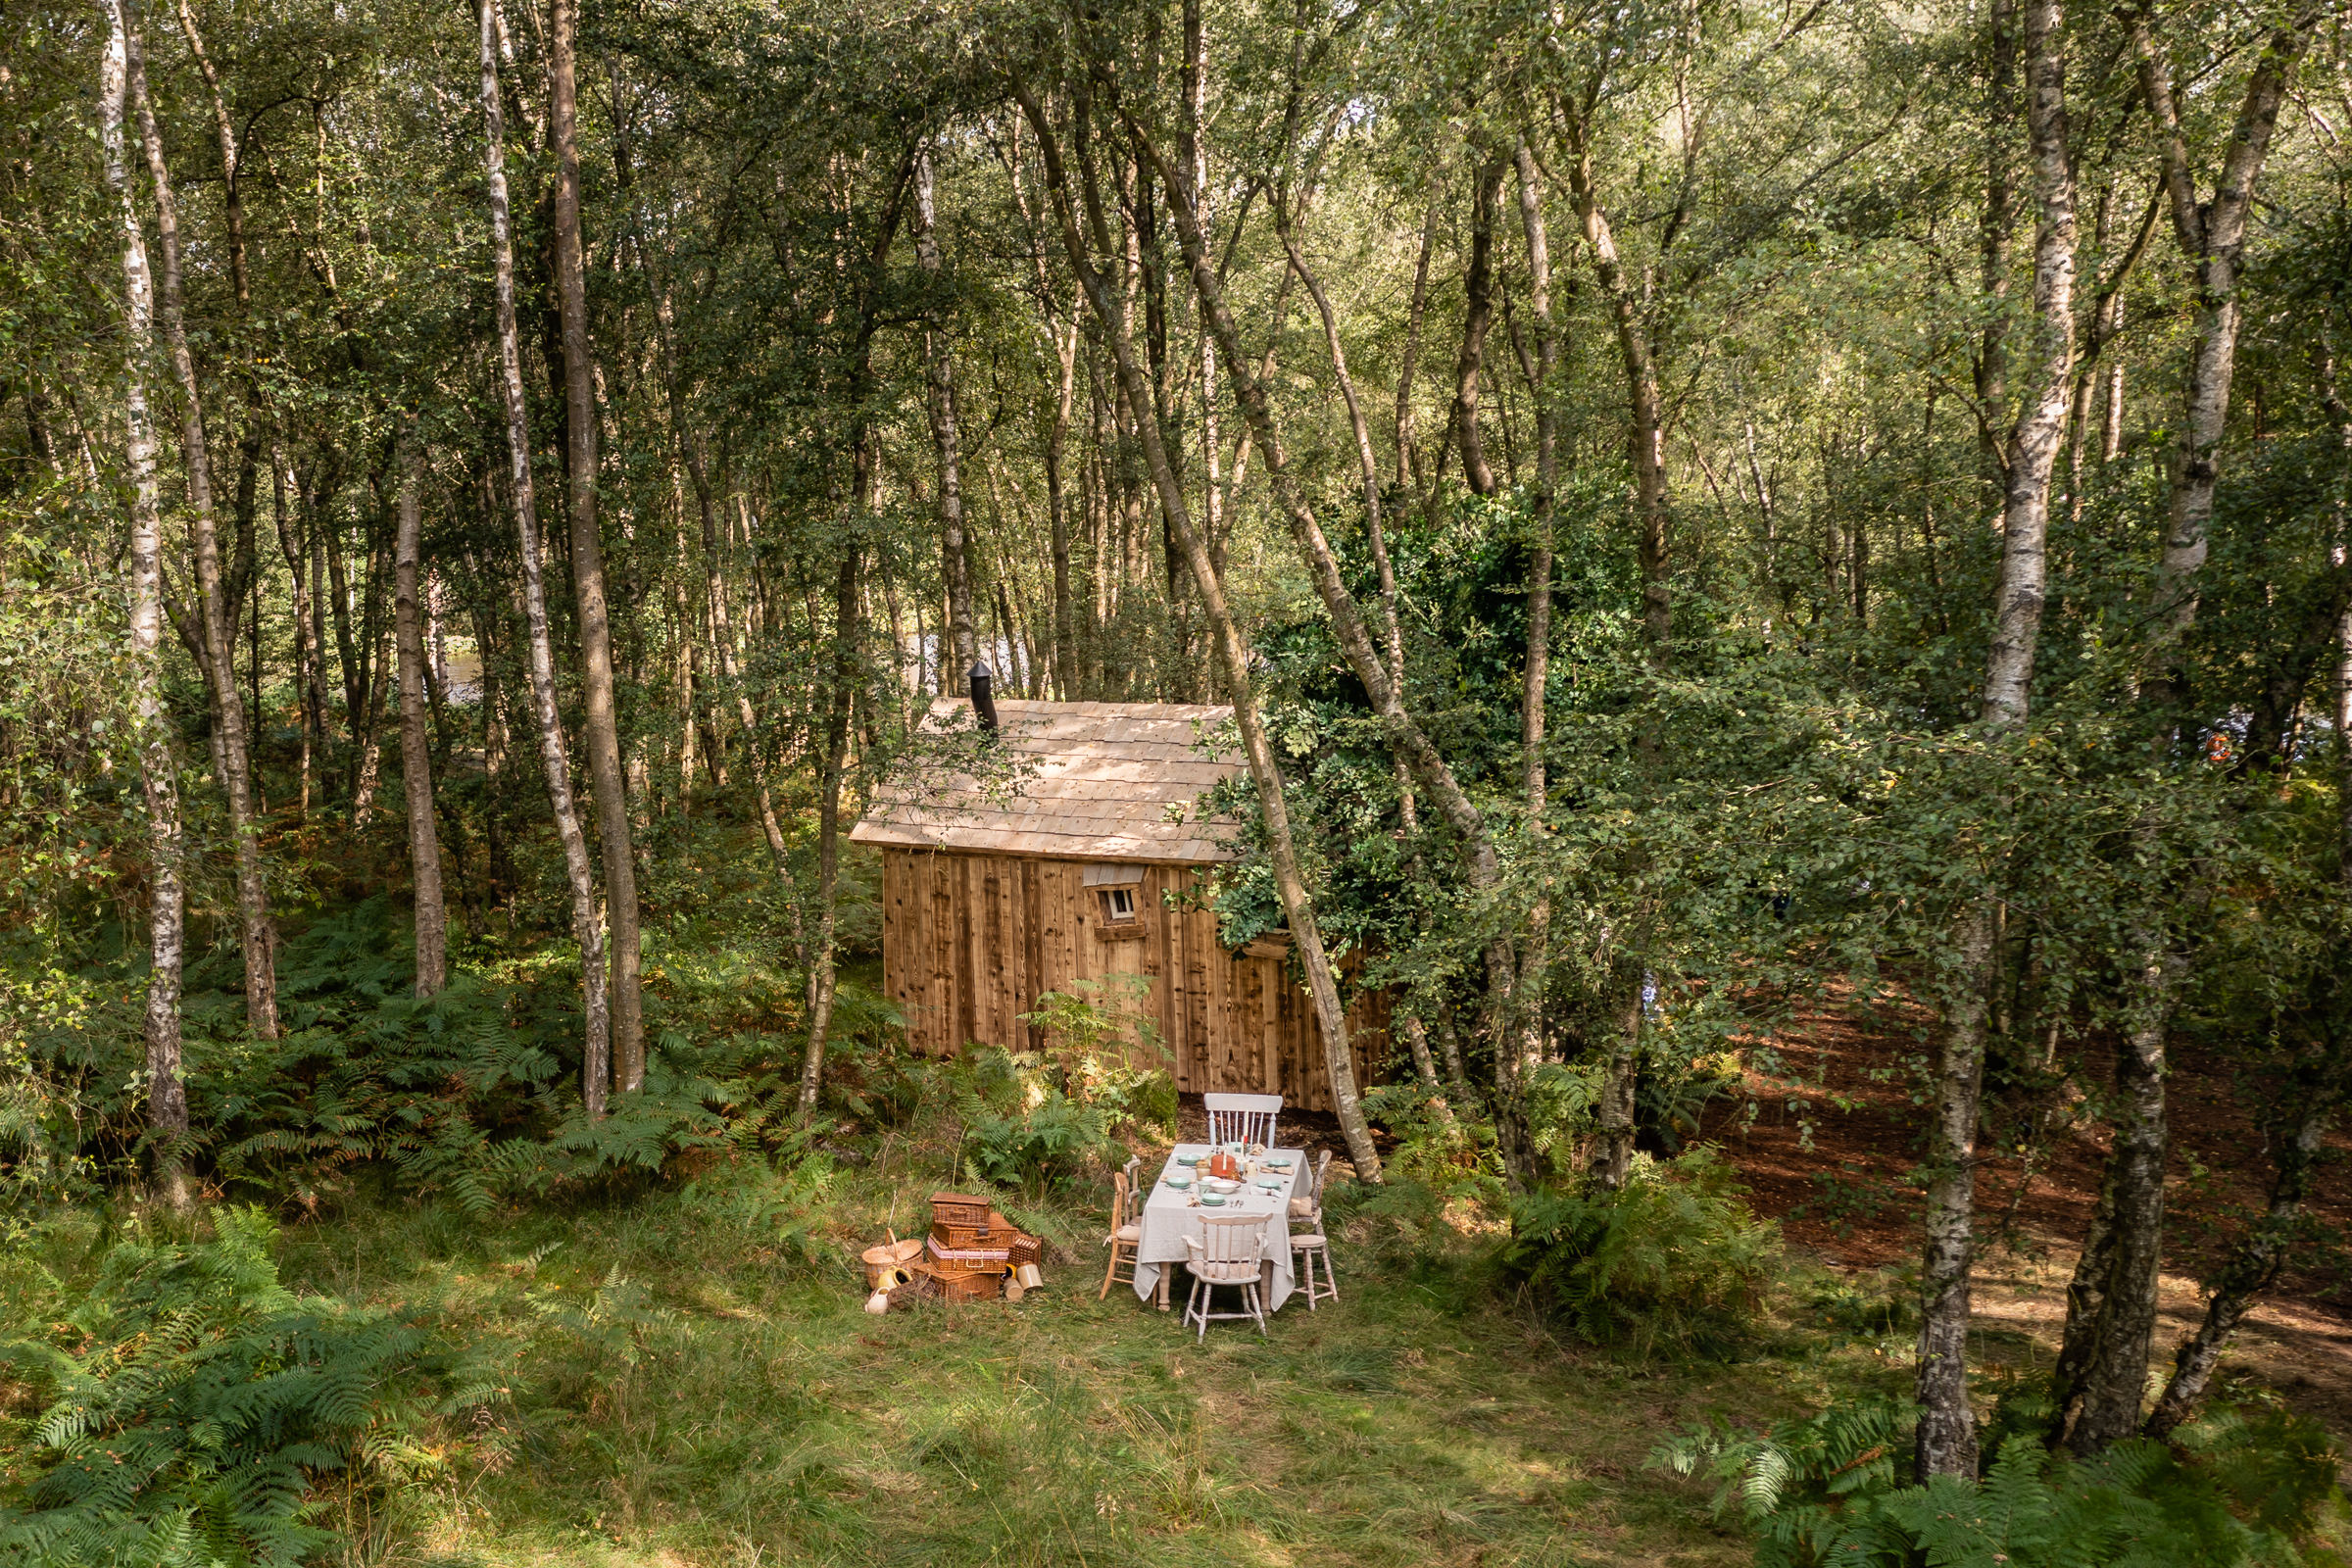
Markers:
{"x": 1213, "y": 1199}
{"x": 1179, "y": 1181}
{"x": 1190, "y": 1160}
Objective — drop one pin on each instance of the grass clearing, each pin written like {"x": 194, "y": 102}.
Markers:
{"x": 686, "y": 1387}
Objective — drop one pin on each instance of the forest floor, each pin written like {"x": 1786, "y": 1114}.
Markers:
{"x": 1836, "y": 1136}
{"x": 686, "y": 1392}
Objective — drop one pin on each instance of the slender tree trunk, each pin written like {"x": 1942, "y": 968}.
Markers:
{"x": 600, "y": 718}
{"x": 1232, "y": 653}
{"x": 940, "y": 371}
{"x": 1477, "y": 316}
{"x": 823, "y": 980}
{"x": 1535, "y": 956}
{"x": 257, "y": 933}
{"x": 1408, "y": 457}
{"x": 1946, "y": 1442}
{"x": 415, "y": 757}
{"x": 158, "y": 770}
{"x": 596, "y": 1066}
{"x": 2250, "y": 1271}
{"x": 2212, "y": 236}
{"x": 2101, "y": 1377}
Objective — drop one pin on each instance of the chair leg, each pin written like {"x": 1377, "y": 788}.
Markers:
{"x": 1110, "y": 1268}
{"x": 1330, "y": 1280}
{"x": 1307, "y": 1271}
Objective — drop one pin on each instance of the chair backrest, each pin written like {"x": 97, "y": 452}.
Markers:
{"x": 1234, "y": 1239}
{"x": 1118, "y": 1201}
{"x": 1242, "y": 1118}
{"x": 1322, "y": 1169}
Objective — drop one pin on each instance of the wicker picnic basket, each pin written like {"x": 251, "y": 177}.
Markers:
{"x": 955, "y": 1208}
{"x": 968, "y": 1285}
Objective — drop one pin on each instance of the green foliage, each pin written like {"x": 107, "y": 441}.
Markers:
{"x": 1449, "y": 1151}
{"x": 1020, "y": 1127}
{"x": 1674, "y": 1260}
{"x": 1827, "y": 1490}
{"x": 193, "y": 1402}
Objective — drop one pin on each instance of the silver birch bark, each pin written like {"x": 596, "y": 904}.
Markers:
{"x": 158, "y": 770}
{"x": 2101, "y": 1375}
{"x": 600, "y": 718}
{"x": 938, "y": 369}
{"x": 1535, "y": 956}
{"x": 1231, "y": 650}
{"x": 596, "y": 1065}
{"x": 1946, "y": 1440}
{"x": 416, "y": 753}
{"x": 256, "y": 932}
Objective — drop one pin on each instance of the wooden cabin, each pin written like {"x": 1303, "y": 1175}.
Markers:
{"x": 991, "y": 899}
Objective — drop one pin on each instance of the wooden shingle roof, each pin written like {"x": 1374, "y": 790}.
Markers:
{"x": 1099, "y": 782}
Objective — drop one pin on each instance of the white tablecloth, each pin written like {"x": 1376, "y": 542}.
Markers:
{"x": 1170, "y": 1217}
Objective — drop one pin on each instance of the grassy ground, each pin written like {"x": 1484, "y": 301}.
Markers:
{"x": 685, "y": 1391}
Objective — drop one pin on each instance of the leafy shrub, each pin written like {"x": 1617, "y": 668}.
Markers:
{"x": 1675, "y": 1259}
{"x": 1825, "y": 1491}
{"x": 194, "y": 1402}
{"x": 1020, "y": 1127}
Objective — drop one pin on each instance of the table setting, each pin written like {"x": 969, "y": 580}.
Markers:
{"x": 1200, "y": 1179}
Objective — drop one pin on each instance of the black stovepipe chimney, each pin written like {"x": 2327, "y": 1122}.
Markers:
{"x": 984, "y": 708}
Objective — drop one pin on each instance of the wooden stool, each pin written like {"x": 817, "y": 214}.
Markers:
{"x": 1304, "y": 1250}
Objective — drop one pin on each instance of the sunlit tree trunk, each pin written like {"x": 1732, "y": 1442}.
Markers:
{"x": 596, "y": 1067}
{"x": 823, "y": 980}
{"x": 600, "y": 725}
{"x": 1231, "y": 652}
{"x": 1946, "y": 1439}
{"x": 2101, "y": 1375}
{"x": 415, "y": 755}
{"x": 946, "y": 438}
{"x": 158, "y": 771}
{"x": 257, "y": 933}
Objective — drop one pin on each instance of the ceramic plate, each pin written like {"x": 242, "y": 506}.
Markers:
{"x": 1178, "y": 1181}
{"x": 1272, "y": 1184}
{"x": 1188, "y": 1160}
{"x": 1212, "y": 1200}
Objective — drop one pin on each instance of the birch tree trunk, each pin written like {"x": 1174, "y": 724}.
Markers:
{"x": 823, "y": 980}
{"x": 1406, "y": 738}
{"x": 2101, "y": 1379}
{"x": 1477, "y": 316}
{"x": 158, "y": 770}
{"x": 600, "y": 720}
{"x": 1408, "y": 457}
{"x": 1946, "y": 1441}
{"x": 1535, "y": 956}
{"x": 2252, "y": 1269}
{"x": 257, "y": 933}
{"x": 938, "y": 369}
{"x": 595, "y": 1064}
{"x": 416, "y": 753}
{"x": 1231, "y": 650}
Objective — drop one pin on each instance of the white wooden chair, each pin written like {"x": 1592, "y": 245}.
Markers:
{"x": 1231, "y": 1251}
{"x": 1242, "y": 1118}
{"x": 1126, "y": 1234}
{"x": 1312, "y": 1246}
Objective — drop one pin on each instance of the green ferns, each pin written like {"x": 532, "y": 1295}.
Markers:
{"x": 193, "y": 1402}
{"x": 1824, "y": 1493}
{"x": 1675, "y": 1260}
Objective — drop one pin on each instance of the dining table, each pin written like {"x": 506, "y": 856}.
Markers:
{"x": 1172, "y": 1213}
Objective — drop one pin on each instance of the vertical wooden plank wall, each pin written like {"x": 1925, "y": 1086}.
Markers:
{"x": 970, "y": 942}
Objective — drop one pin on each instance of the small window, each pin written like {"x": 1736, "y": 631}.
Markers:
{"x": 1118, "y": 906}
